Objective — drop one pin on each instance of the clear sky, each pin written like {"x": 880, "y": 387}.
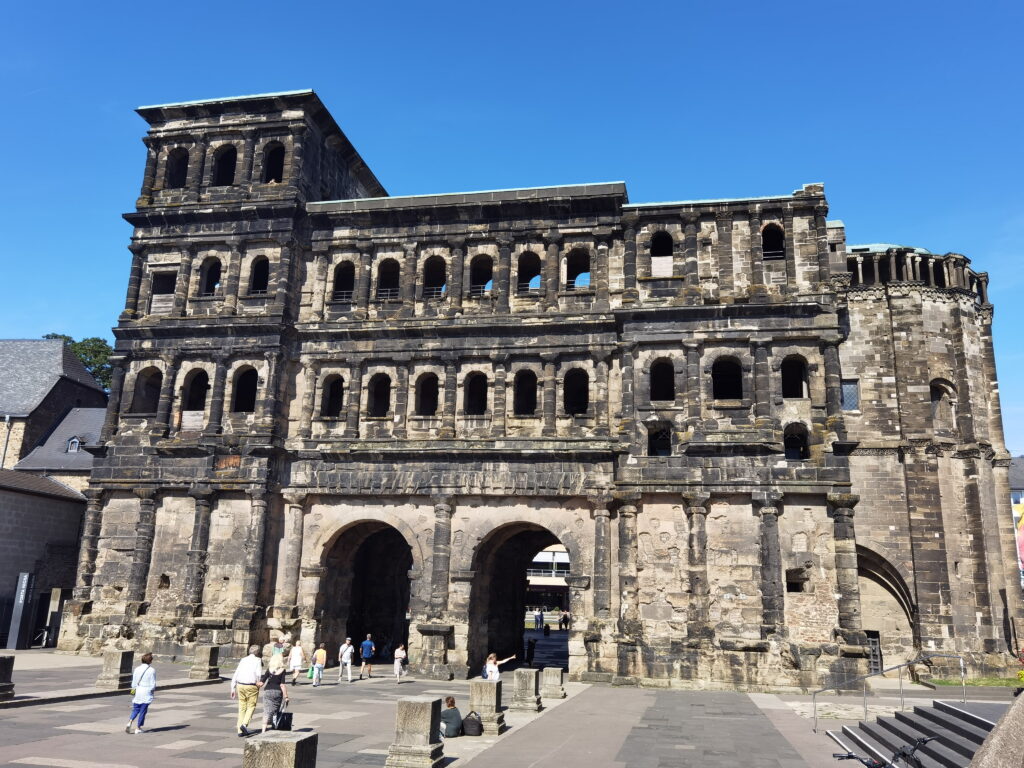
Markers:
{"x": 909, "y": 112}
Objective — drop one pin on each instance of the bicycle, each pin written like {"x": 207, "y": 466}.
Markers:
{"x": 904, "y": 754}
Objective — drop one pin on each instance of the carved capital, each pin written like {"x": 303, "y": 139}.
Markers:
{"x": 697, "y": 501}
{"x": 294, "y": 498}
{"x": 146, "y": 495}
{"x": 843, "y": 501}
{"x": 201, "y": 492}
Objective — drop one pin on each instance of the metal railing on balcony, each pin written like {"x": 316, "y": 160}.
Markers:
{"x": 773, "y": 255}
{"x": 387, "y": 293}
{"x": 344, "y": 297}
{"x": 524, "y": 289}
{"x": 434, "y": 292}
{"x": 478, "y": 290}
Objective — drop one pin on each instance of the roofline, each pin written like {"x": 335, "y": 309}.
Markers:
{"x": 32, "y": 492}
{"x": 301, "y": 92}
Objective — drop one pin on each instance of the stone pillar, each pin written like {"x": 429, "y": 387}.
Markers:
{"x": 552, "y": 683}
{"x": 407, "y": 284}
{"x": 117, "y": 671}
{"x": 833, "y": 378}
{"x": 131, "y": 301}
{"x": 444, "y": 508}
{"x": 689, "y": 270}
{"x": 283, "y": 279}
{"x": 196, "y": 167}
{"x": 790, "y": 246}
{"x": 248, "y": 156}
{"x": 266, "y": 406}
{"x": 401, "y": 399}
{"x": 860, "y": 270}
{"x": 294, "y": 528}
{"x": 723, "y": 225}
{"x": 6, "y": 675}
{"x": 195, "y": 575}
{"x": 110, "y": 420}
{"x": 311, "y": 376}
{"x": 231, "y": 289}
{"x": 983, "y": 287}
{"x": 549, "y": 403}
{"x": 697, "y": 625}
{"x": 757, "y": 286}
{"x": 500, "y": 392}
{"x": 92, "y": 523}
{"x": 601, "y": 395}
{"x": 355, "y": 392}
{"x": 762, "y": 383}
{"x": 163, "y": 408}
{"x": 525, "y": 696}
{"x": 143, "y": 551}
{"x": 821, "y": 240}
{"x": 629, "y": 616}
{"x": 628, "y": 416}
{"x": 485, "y": 700}
{"x": 253, "y": 560}
{"x": 281, "y": 749}
{"x": 451, "y": 394}
{"x": 183, "y": 281}
{"x": 629, "y": 291}
{"x": 772, "y": 594}
{"x": 846, "y": 561}
{"x": 295, "y": 169}
{"x": 551, "y": 269}
{"x": 602, "y": 558}
{"x": 205, "y": 663}
{"x": 361, "y": 300}
{"x": 417, "y": 741}
{"x": 320, "y": 289}
{"x": 599, "y": 268}
{"x": 693, "y": 386}
{"x": 149, "y": 176}
{"x": 220, "y": 375}
{"x": 457, "y": 246}
{"x": 502, "y": 284}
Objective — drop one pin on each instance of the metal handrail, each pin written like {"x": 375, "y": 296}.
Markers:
{"x": 864, "y": 679}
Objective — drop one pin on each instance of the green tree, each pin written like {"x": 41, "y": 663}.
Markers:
{"x": 94, "y": 353}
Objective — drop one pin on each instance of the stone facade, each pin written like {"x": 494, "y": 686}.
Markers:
{"x": 335, "y": 412}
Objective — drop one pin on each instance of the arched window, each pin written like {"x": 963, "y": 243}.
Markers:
{"x": 379, "y": 400}
{"x": 209, "y": 277}
{"x": 727, "y": 379}
{"x": 577, "y": 270}
{"x": 259, "y": 276}
{"x": 524, "y": 399}
{"x": 146, "y": 394}
{"x": 943, "y": 398}
{"x": 476, "y": 394}
{"x": 435, "y": 278}
{"x": 243, "y": 398}
{"x": 332, "y": 397}
{"x": 197, "y": 384}
{"x": 663, "y": 381}
{"x": 528, "y": 273}
{"x": 576, "y": 392}
{"x": 344, "y": 283}
{"x": 661, "y": 244}
{"x": 794, "y": 377}
{"x": 224, "y": 162}
{"x": 773, "y": 242}
{"x": 481, "y": 272}
{"x": 427, "y": 395}
{"x": 794, "y": 440}
{"x": 659, "y": 439}
{"x": 177, "y": 168}
{"x": 388, "y": 274}
{"x": 273, "y": 163}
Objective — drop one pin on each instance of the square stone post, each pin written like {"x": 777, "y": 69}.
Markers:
{"x": 524, "y": 692}
{"x": 205, "y": 663}
{"x": 6, "y": 672}
{"x": 552, "y": 683}
{"x": 485, "y": 700}
{"x": 281, "y": 749}
{"x": 417, "y": 734}
{"x": 117, "y": 671}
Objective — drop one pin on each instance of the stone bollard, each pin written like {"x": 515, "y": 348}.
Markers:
{"x": 205, "y": 663}
{"x": 281, "y": 749}
{"x": 524, "y": 692}
{"x": 485, "y": 700}
{"x": 552, "y": 683}
{"x": 417, "y": 734}
{"x": 6, "y": 673}
{"x": 117, "y": 671}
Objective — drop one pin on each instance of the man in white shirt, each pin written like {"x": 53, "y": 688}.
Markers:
{"x": 345, "y": 658}
{"x": 245, "y": 685}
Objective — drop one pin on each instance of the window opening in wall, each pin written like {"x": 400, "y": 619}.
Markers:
{"x": 939, "y": 270}
{"x": 524, "y": 399}
{"x": 849, "y": 395}
{"x": 224, "y": 166}
{"x": 427, "y": 395}
{"x": 333, "y": 397}
{"x": 273, "y": 164}
{"x": 794, "y": 378}
{"x": 243, "y": 399}
{"x": 259, "y": 279}
{"x": 343, "y": 286}
{"x": 726, "y": 379}
{"x": 379, "y": 404}
{"x": 576, "y": 392}
{"x": 209, "y": 278}
{"x": 659, "y": 439}
{"x": 943, "y": 407}
{"x": 884, "y": 274}
{"x": 196, "y": 386}
{"x": 796, "y": 579}
{"x": 773, "y": 242}
{"x": 794, "y": 442}
{"x": 481, "y": 272}
{"x": 528, "y": 274}
{"x": 577, "y": 270}
{"x": 435, "y": 278}
{"x": 177, "y": 168}
{"x": 663, "y": 381}
{"x": 146, "y": 395}
{"x": 388, "y": 275}
{"x": 74, "y": 444}
{"x": 661, "y": 254}
{"x": 163, "y": 283}
{"x": 476, "y": 394}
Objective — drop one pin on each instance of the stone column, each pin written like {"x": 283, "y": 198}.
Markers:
{"x": 552, "y": 683}
{"x": 833, "y": 387}
{"x": 163, "y": 408}
{"x": 689, "y": 266}
{"x": 361, "y": 299}
{"x": 790, "y": 247}
{"x": 821, "y": 240}
{"x": 117, "y": 671}
{"x": 762, "y": 383}
{"x": 282, "y": 279}
{"x": 92, "y": 523}
{"x": 417, "y": 741}
{"x": 145, "y": 529}
{"x": 401, "y": 418}
{"x": 525, "y": 696}
{"x": 698, "y": 626}
{"x": 318, "y": 301}
{"x": 860, "y": 270}
{"x": 602, "y": 558}
{"x": 407, "y": 284}
{"x": 599, "y": 282}
{"x": 485, "y": 700}
{"x": 355, "y": 392}
{"x": 253, "y": 551}
{"x": 551, "y": 269}
{"x": 601, "y": 395}
{"x": 502, "y": 284}
{"x": 451, "y": 393}
{"x": 723, "y": 225}
{"x": 131, "y": 301}
{"x": 294, "y": 528}
{"x": 549, "y": 404}
{"x": 196, "y": 167}
{"x": 110, "y": 420}
{"x": 629, "y": 291}
{"x": 457, "y": 246}
{"x": 220, "y": 375}
{"x": 444, "y": 508}
{"x": 266, "y": 407}
{"x": 757, "y": 284}
{"x": 195, "y": 575}
{"x": 983, "y": 287}
{"x": 500, "y": 393}
{"x": 281, "y": 749}
{"x": 629, "y": 616}
{"x": 693, "y": 386}
{"x": 183, "y": 281}
{"x": 149, "y": 176}
{"x": 231, "y": 289}
{"x": 311, "y": 376}
{"x": 6, "y": 675}
{"x": 295, "y": 169}
{"x": 846, "y": 562}
{"x": 248, "y": 156}
{"x": 772, "y": 594}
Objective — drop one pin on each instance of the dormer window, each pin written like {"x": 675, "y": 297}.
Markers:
{"x": 74, "y": 444}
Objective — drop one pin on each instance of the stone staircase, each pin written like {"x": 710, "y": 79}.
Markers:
{"x": 959, "y": 730}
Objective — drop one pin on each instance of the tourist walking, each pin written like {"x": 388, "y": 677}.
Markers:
{"x": 563, "y": 620}
{"x": 366, "y": 651}
{"x": 451, "y": 719}
{"x": 345, "y": 654}
{"x": 492, "y": 667}
{"x": 245, "y": 685}
{"x": 275, "y": 692}
{"x": 538, "y": 619}
{"x": 296, "y": 659}
{"x": 400, "y": 656}
{"x": 143, "y": 685}
{"x": 319, "y": 662}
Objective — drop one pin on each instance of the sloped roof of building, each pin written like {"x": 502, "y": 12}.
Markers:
{"x": 29, "y": 368}
{"x": 1017, "y": 473}
{"x": 52, "y": 454}
{"x": 27, "y": 482}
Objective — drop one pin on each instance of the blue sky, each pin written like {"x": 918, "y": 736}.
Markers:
{"x": 909, "y": 112}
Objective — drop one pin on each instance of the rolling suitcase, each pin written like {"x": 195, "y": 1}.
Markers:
{"x": 283, "y": 720}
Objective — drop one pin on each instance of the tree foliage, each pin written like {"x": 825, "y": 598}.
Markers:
{"x": 94, "y": 353}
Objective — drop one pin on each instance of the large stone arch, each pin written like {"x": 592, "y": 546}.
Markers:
{"x": 887, "y": 604}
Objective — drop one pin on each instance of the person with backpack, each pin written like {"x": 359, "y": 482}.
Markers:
{"x": 143, "y": 685}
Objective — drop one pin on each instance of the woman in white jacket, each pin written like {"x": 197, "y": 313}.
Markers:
{"x": 143, "y": 684}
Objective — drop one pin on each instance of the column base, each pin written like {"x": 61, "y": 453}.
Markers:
{"x": 410, "y": 756}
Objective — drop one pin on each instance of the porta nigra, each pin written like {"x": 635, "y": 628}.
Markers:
{"x": 772, "y": 457}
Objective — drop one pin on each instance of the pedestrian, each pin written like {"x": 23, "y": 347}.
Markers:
{"x": 277, "y": 649}
{"x": 538, "y": 618}
{"x": 143, "y": 685}
{"x": 531, "y": 647}
{"x": 451, "y": 719}
{"x": 296, "y": 659}
{"x": 345, "y": 654}
{"x": 275, "y": 692}
{"x": 563, "y": 620}
{"x": 319, "y": 662}
{"x": 400, "y": 656}
{"x": 366, "y": 651}
{"x": 492, "y": 668}
{"x": 245, "y": 685}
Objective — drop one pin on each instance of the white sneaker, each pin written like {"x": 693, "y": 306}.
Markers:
{"x": 138, "y": 731}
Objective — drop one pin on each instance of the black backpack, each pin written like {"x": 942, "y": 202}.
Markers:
{"x": 472, "y": 725}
